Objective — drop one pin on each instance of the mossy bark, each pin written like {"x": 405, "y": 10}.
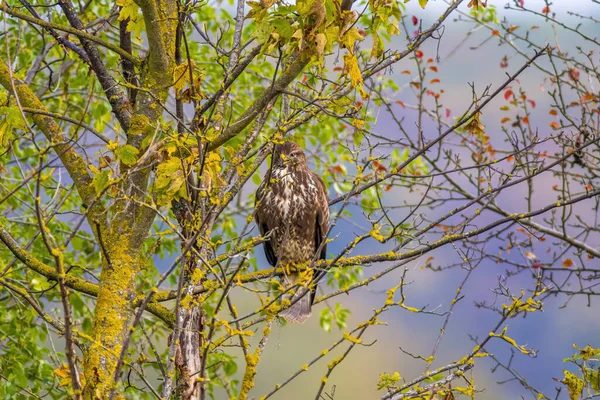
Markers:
{"x": 113, "y": 313}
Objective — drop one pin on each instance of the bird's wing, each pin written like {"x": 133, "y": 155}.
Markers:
{"x": 322, "y": 223}
{"x": 321, "y": 226}
{"x": 263, "y": 227}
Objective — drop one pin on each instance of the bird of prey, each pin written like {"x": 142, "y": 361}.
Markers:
{"x": 292, "y": 209}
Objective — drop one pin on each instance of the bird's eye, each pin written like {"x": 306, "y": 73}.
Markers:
{"x": 294, "y": 154}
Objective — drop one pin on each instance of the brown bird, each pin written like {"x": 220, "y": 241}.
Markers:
{"x": 292, "y": 208}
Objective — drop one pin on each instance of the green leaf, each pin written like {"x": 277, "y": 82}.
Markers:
{"x": 325, "y": 319}
{"x": 127, "y": 154}
{"x": 100, "y": 180}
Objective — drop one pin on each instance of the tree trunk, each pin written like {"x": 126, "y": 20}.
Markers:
{"x": 189, "y": 355}
{"x": 113, "y": 313}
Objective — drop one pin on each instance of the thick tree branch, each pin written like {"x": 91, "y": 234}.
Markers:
{"x": 116, "y": 97}
{"x": 263, "y": 100}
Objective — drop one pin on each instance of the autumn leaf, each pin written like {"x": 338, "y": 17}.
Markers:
{"x": 475, "y": 127}
{"x": 320, "y": 42}
{"x": 476, "y": 3}
{"x": 131, "y": 11}
{"x": 574, "y": 74}
{"x": 553, "y": 112}
{"x": 423, "y": 3}
{"x": 349, "y": 38}
{"x": 530, "y": 255}
{"x": 351, "y": 68}
{"x": 508, "y": 94}
{"x": 587, "y": 97}
{"x": 567, "y": 263}
{"x": 554, "y": 124}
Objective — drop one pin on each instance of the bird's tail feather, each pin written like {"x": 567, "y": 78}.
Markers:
{"x": 301, "y": 309}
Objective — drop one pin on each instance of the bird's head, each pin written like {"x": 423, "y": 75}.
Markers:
{"x": 288, "y": 154}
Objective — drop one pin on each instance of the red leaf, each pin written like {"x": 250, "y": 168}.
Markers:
{"x": 447, "y": 113}
{"x": 416, "y": 84}
{"x": 433, "y": 68}
{"x": 436, "y": 80}
{"x": 338, "y": 69}
{"x": 495, "y": 33}
{"x": 587, "y": 97}
{"x": 304, "y": 78}
{"x": 526, "y": 120}
{"x": 545, "y": 10}
{"x": 574, "y": 74}
{"x": 415, "y": 20}
{"x": 401, "y": 103}
{"x": 567, "y": 263}
{"x": 510, "y": 158}
{"x": 430, "y": 60}
{"x": 407, "y": 72}
{"x": 553, "y": 112}
{"x": 507, "y": 94}
{"x": 419, "y": 54}
{"x": 554, "y": 124}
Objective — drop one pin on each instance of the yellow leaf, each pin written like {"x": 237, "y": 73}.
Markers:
{"x": 351, "y": 68}
{"x": 131, "y": 10}
{"x": 574, "y": 385}
{"x": 349, "y": 38}
{"x": 423, "y": 3}
{"x": 320, "y": 41}
{"x": 475, "y": 127}
{"x": 298, "y": 35}
{"x": 530, "y": 255}
{"x": 181, "y": 77}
